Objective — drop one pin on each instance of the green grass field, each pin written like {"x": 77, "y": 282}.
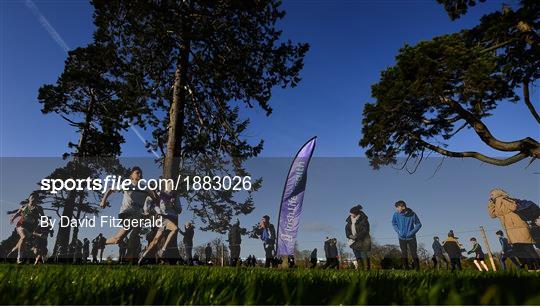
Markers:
{"x": 92, "y": 284}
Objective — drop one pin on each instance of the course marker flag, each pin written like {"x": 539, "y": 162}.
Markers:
{"x": 291, "y": 201}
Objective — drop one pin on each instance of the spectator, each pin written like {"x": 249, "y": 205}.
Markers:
{"x": 235, "y": 239}
{"x": 406, "y": 224}
{"x": 501, "y": 206}
{"x": 267, "y": 232}
{"x": 86, "y": 249}
{"x": 313, "y": 259}
{"x": 208, "y": 254}
{"x": 438, "y": 254}
{"x": 506, "y": 252}
{"x": 188, "y": 234}
{"x": 453, "y": 249}
{"x": 357, "y": 232}
{"x": 479, "y": 255}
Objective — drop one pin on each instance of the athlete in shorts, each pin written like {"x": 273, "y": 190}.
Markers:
{"x": 132, "y": 204}
{"x": 169, "y": 208}
{"x": 29, "y": 214}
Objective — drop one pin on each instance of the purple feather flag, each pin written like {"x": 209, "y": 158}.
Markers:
{"x": 291, "y": 201}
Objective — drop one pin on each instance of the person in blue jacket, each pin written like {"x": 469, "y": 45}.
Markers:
{"x": 506, "y": 252}
{"x": 406, "y": 224}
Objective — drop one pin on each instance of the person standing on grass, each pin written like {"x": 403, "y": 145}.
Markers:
{"x": 453, "y": 249}
{"x": 95, "y": 248}
{"x": 479, "y": 255}
{"x": 438, "y": 254}
{"x": 313, "y": 259}
{"x": 188, "y": 234}
{"x": 208, "y": 254}
{"x": 406, "y": 224}
{"x": 235, "y": 239}
{"x": 501, "y": 206}
{"x": 506, "y": 252}
{"x": 102, "y": 241}
{"x": 267, "y": 232}
{"x": 357, "y": 232}
{"x": 86, "y": 249}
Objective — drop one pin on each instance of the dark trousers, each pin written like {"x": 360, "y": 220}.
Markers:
{"x": 409, "y": 246}
{"x": 332, "y": 263}
{"x": 527, "y": 255}
{"x": 269, "y": 254}
{"x": 512, "y": 258}
{"x": 437, "y": 261}
{"x": 235, "y": 254}
{"x": 455, "y": 263}
{"x": 189, "y": 248}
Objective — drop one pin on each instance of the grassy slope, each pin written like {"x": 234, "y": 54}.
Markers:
{"x": 56, "y": 284}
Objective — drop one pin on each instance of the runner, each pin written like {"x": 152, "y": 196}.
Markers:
{"x": 169, "y": 208}
{"x": 29, "y": 214}
{"x": 132, "y": 204}
{"x": 39, "y": 245}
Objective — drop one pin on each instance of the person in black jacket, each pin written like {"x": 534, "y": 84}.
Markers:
{"x": 438, "y": 254}
{"x": 313, "y": 259}
{"x": 331, "y": 253}
{"x": 188, "y": 234}
{"x": 479, "y": 255}
{"x": 267, "y": 233}
{"x": 235, "y": 239}
{"x": 453, "y": 249}
{"x": 506, "y": 252}
{"x": 357, "y": 232}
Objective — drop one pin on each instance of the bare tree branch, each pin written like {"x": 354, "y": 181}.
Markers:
{"x": 473, "y": 154}
{"x": 527, "y": 145}
{"x": 528, "y": 102}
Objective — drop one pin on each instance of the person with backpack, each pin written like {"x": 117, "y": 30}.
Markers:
{"x": 506, "y": 252}
{"x": 501, "y": 206}
{"x": 453, "y": 249}
{"x": 479, "y": 255}
{"x": 406, "y": 224}
{"x": 438, "y": 254}
{"x": 359, "y": 239}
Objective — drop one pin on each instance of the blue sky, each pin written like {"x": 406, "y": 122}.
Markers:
{"x": 351, "y": 42}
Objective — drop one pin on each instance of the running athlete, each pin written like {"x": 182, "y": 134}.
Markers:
{"x": 29, "y": 214}
{"x": 132, "y": 204}
{"x": 169, "y": 208}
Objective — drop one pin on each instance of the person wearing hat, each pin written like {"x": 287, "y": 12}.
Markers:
{"x": 188, "y": 234}
{"x": 501, "y": 206}
{"x": 453, "y": 249}
{"x": 357, "y": 232}
{"x": 506, "y": 252}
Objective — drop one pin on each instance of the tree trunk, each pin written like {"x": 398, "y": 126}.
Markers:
{"x": 176, "y": 115}
{"x": 171, "y": 165}
{"x": 62, "y": 238}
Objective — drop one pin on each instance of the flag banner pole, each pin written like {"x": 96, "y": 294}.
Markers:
{"x": 292, "y": 198}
